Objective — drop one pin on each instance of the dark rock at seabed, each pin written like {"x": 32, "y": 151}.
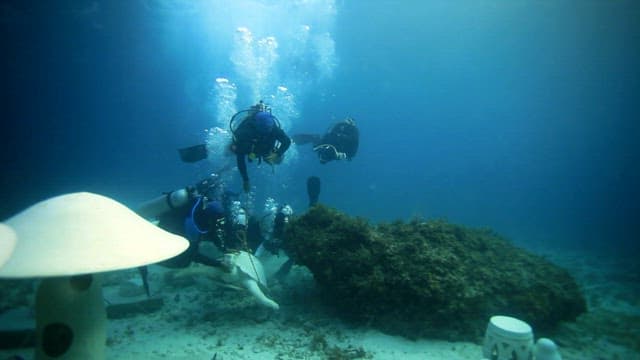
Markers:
{"x": 17, "y": 328}
{"x": 428, "y": 278}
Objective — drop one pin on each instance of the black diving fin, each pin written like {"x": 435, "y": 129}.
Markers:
{"x": 313, "y": 189}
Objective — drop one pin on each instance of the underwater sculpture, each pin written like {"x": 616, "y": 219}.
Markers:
{"x": 68, "y": 241}
{"x": 245, "y": 272}
{"x": 428, "y": 278}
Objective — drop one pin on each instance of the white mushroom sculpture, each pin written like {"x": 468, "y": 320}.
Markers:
{"x": 68, "y": 240}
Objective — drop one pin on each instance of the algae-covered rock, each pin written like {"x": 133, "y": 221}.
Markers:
{"x": 428, "y": 278}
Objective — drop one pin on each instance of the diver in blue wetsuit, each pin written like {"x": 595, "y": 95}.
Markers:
{"x": 200, "y": 219}
{"x": 200, "y": 213}
{"x": 199, "y": 216}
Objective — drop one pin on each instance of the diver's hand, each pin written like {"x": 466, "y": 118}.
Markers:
{"x": 246, "y": 186}
{"x": 329, "y": 152}
{"x": 273, "y": 158}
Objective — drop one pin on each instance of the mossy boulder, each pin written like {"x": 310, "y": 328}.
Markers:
{"x": 428, "y": 278}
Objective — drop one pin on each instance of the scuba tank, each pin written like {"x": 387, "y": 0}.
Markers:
{"x": 164, "y": 203}
{"x": 238, "y": 118}
{"x": 281, "y": 219}
{"x": 178, "y": 198}
{"x": 238, "y": 215}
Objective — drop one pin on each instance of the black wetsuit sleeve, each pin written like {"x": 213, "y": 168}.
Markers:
{"x": 353, "y": 140}
{"x": 284, "y": 140}
{"x": 242, "y": 167}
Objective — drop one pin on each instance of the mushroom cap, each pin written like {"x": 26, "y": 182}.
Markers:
{"x": 7, "y": 243}
{"x": 82, "y": 233}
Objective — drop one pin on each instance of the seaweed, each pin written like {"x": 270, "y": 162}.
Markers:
{"x": 428, "y": 278}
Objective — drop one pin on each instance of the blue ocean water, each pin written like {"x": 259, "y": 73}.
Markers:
{"x": 520, "y": 116}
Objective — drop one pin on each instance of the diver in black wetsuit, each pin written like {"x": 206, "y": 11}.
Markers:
{"x": 258, "y": 137}
{"x": 313, "y": 191}
{"x": 340, "y": 142}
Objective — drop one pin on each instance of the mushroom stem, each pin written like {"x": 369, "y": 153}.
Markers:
{"x": 70, "y": 318}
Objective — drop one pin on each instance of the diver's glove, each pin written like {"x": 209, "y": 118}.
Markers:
{"x": 273, "y": 158}
{"x": 329, "y": 152}
{"x": 246, "y": 186}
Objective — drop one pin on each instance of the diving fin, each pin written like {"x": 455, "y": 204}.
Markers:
{"x": 313, "y": 189}
{"x": 194, "y": 153}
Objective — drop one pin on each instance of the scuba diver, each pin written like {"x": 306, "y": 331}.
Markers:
{"x": 202, "y": 212}
{"x": 272, "y": 227}
{"x": 258, "y": 137}
{"x": 340, "y": 142}
{"x": 313, "y": 191}
{"x": 199, "y": 214}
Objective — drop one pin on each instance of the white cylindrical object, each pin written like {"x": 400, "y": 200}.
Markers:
{"x": 241, "y": 218}
{"x": 70, "y": 318}
{"x": 164, "y": 203}
{"x": 287, "y": 210}
{"x": 508, "y": 338}
{"x": 546, "y": 349}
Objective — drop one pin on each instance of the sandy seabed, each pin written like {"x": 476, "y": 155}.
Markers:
{"x": 200, "y": 320}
